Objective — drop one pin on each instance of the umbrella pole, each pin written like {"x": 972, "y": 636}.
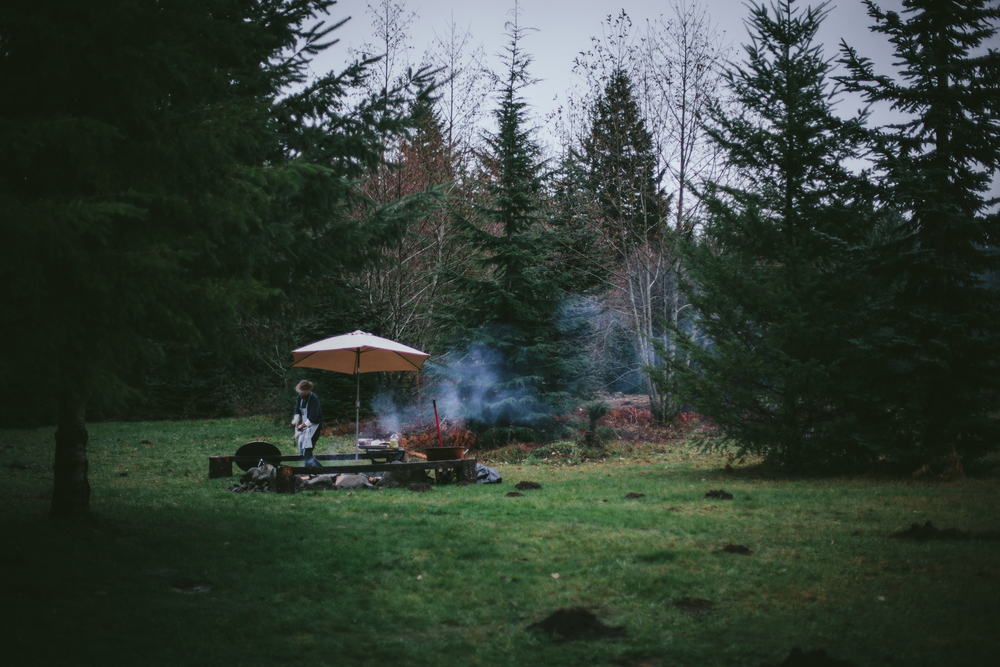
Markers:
{"x": 357, "y": 417}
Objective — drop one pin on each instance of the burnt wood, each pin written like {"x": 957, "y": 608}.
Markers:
{"x": 284, "y": 480}
{"x": 220, "y": 466}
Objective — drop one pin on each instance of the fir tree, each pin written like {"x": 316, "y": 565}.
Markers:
{"x": 506, "y": 314}
{"x": 622, "y": 165}
{"x": 933, "y": 368}
{"x": 623, "y": 178}
{"x": 775, "y": 281}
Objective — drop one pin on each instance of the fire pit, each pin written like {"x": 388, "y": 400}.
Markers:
{"x": 445, "y": 453}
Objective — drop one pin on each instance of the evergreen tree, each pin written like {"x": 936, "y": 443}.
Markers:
{"x": 775, "y": 281}
{"x": 933, "y": 369}
{"x": 622, "y": 165}
{"x": 158, "y": 184}
{"x": 506, "y": 314}
{"x": 622, "y": 176}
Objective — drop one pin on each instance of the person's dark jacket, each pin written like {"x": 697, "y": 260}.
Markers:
{"x": 314, "y": 413}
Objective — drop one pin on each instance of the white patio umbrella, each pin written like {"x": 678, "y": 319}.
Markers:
{"x": 355, "y": 353}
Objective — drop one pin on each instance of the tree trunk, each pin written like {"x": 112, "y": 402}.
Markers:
{"x": 70, "y": 488}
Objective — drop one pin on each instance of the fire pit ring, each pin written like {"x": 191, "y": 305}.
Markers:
{"x": 445, "y": 453}
{"x": 255, "y": 451}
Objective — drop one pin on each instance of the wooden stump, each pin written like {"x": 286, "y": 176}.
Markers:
{"x": 220, "y": 466}
{"x": 285, "y": 479}
{"x": 467, "y": 471}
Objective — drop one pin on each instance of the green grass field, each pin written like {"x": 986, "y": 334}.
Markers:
{"x": 173, "y": 568}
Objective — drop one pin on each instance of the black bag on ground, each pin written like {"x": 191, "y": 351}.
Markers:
{"x": 487, "y": 475}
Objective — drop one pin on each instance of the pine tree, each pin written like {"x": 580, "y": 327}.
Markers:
{"x": 775, "y": 281}
{"x": 933, "y": 370}
{"x": 507, "y": 310}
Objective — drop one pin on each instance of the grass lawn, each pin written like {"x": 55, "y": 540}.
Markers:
{"x": 173, "y": 568}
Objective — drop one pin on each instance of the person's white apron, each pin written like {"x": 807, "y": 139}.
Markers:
{"x": 304, "y": 437}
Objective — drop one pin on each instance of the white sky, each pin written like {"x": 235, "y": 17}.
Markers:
{"x": 563, "y": 28}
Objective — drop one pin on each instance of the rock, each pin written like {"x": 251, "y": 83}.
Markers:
{"x": 388, "y": 481}
{"x": 259, "y": 475}
{"x": 348, "y": 481}
{"x": 319, "y": 483}
{"x": 400, "y": 477}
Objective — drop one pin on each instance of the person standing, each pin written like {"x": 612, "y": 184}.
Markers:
{"x": 307, "y": 420}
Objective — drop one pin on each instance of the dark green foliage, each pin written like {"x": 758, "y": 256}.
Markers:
{"x": 932, "y": 371}
{"x": 513, "y": 363}
{"x": 157, "y": 185}
{"x": 776, "y": 280}
{"x": 595, "y": 410}
{"x": 187, "y": 384}
{"x": 621, "y": 164}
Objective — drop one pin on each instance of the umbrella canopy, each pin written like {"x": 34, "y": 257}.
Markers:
{"x": 358, "y": 352}
{"x": 355, "y": 353}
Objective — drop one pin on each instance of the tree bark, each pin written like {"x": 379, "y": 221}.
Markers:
{"x": 70, "y": 488}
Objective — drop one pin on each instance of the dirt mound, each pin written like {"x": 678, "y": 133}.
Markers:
{"x": 798, "y": 658}
{"x": 576, "y": 623}
{"x": 735, "y": 549}
{"x": 633, "y": 496}
{"x": 720, "y": 494}
{"x": 693, "y": 604}
{"x": 527, "y": 486}
{"x": 420, "y": 488}
{"x": 929, "y": 532}
{"x": 513, "y": 494}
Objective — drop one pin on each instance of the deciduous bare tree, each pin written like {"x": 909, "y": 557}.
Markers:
{"x": 683, "y": 61}
{"x": 463, "y": 92}
{"x": 643, "y": 95}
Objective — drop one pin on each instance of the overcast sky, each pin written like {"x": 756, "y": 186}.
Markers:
{"x": 561, "y": 29}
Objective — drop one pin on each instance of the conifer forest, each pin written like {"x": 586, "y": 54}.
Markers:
{"x": 185, "y": 199}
